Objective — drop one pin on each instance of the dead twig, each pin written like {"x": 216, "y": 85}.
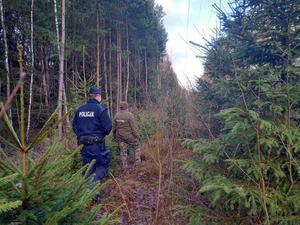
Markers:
{"x": 12, "y": 95}
{"x": 158, "y": 192}
{"x": 123, "y": 197}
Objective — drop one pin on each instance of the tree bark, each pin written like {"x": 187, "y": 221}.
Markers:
{"x": 5, "y": 53}
{"x": 119, "y": 84}
{"x": 120, "y": 67}
{"x": 60, "y": 48}
{"x": 105, "y": 72}
{"x": 56, "y": 26}
{"x": 98, "y": 53}
{"x": 32, "y": 69}
{"x": 135, "y": 78}
{"x": 127, "y": 63}
{"x": 146, "y": 73}
{"x": 73, "y": 70}
{"x": 61, "y": 68}
{"x": 47, "y": 75}
{"x": 110, "y": 76}
{"x": 158, "y": 75}
{"x": 76, "y": 69}
{"x": 44, "y": 80}
{"x": 68, "y": 123}
{"x": 139, "y": 69}
{"x": 84, "y": 75}
{"x": 117, "y": 73}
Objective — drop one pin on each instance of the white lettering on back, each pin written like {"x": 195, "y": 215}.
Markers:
{"x": 86, "y": 114}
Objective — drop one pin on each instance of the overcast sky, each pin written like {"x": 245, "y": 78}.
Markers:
{"x": 186, "y": 23}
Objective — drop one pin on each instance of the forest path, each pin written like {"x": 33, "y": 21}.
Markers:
{"x": 137, "y": 187}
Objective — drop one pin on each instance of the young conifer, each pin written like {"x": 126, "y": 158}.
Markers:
{"x": 250, "y": 171}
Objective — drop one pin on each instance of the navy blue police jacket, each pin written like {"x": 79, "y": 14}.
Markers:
{"x": 92, "y": 119}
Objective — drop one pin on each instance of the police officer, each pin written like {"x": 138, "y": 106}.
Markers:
{"x": 125, "y": 132}
{"x": 91, "y": 124}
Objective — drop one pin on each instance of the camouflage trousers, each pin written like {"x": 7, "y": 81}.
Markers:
{"x": 124, "y": 154}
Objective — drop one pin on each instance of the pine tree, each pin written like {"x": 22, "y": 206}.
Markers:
{"x": 250, "y": 171}
{"x": 47, "y": 189}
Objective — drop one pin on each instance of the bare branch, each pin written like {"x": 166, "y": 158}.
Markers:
{"x": 12, "y": 95}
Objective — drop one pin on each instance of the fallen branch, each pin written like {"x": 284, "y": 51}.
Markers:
{"x": 123, "y": 197}
{"x": 12, "y": 95}
{"x": 158, "y": 192}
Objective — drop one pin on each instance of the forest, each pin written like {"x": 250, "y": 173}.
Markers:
{"x": 224, "y": 152}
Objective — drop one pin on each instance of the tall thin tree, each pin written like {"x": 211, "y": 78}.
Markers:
{"x": 98, "y": 51}
{"x": 120, "y": 67}
{"x": 84, "y": 74}
{"x": 119, "y": 64}
{"x": 135, "y": 77}
{"x": 146, "y": 72}
{"x": 32, "y": 70}
{"x": 64, "y": 96}
{"x": 105, "y": 70}
{"x": 44, "y": 78}
{"x": 56, "y": 26}
{"x": 5, "y": 51}
{"x": 127, "y": 62}
{"x": 61, "y": 67}
{"x": 110, "y": 75}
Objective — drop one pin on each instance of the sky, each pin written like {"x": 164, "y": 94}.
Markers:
{"x": 188, "y": 20}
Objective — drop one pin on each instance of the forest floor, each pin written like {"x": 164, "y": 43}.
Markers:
{"x": 150, "y": 193}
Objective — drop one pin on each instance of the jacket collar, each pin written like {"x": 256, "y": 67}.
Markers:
{"x": 93, "y": 101}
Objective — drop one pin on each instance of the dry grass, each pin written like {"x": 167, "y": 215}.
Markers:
{"x": 152, "y": 192}
{"x": 148, "y": 191}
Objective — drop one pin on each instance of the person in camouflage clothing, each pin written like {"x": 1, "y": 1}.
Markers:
{"x": 125, "y": 132}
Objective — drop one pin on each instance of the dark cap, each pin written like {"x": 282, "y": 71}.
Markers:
{"x": 123, "y": 105}
{"x": 95, "y": 91}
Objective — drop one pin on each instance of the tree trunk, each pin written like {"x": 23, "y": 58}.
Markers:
{"x": 139, "y": 69}
{"x": 127, "y": 64}
{"x": 60, "y": 46}
{"x": 135, "y": 78}
{"x": 73, "y": 70}
{"x": 56, "y": 26}
{"x": 44, "y": 81}
{"x": 120, "y": 67}
{"x": 84, "y": 75}
{"x": 119, "y": 63}
{"x": 32, "y": 69}
{"x": 5, "y": 52}
{"x": 47, "y": 75}
{"x": 146, "y": 73}
{"x": 105, "y": 73}
{"x": 76, "y": 69}
{"x": 68, "y": 123}
{"x": 61, "y": 68}
{"x": 158, "y": 75}
{"x": 98, "y": 53}
{"x": 110, "y": 76}
{"x": 117, "y": 73}
{"x": 65, "y": 105}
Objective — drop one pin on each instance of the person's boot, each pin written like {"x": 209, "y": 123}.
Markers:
{"x": 124, "y": 165}
{"x": 96, "y": 199}
{"x": 124, "y": 155}
{"x": 138, "y": 160}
